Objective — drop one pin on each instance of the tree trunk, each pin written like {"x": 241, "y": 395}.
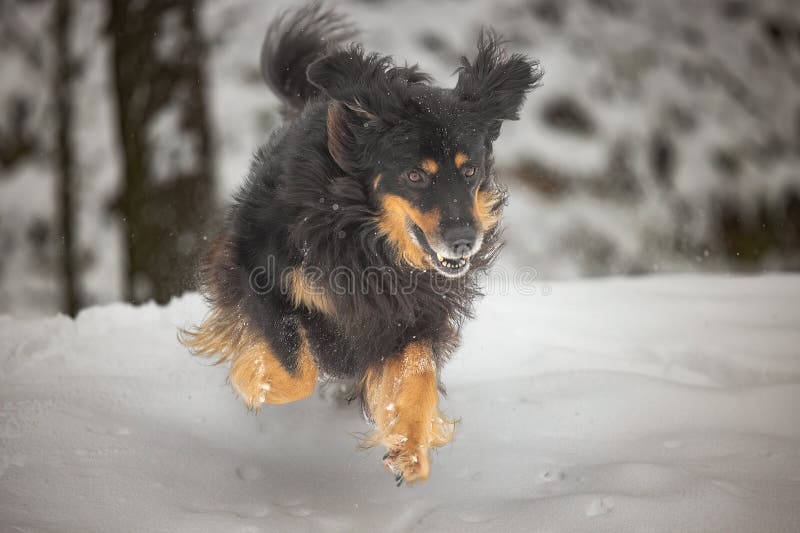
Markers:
{"x": 62, "y": 99}
{"x": 158, "y": 70}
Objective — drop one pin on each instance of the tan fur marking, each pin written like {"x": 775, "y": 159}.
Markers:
{"x": 376, "y": 182}
{"x": 485, "y": 209}
{"x": 402, "y": 397}
{"x": 258, "y": 376}
{"x": 460, "y": 159}
{"x": 255, "y": 373}
{"x": 304, "y": 293}
{"x": 429, "y": 165}
{"x": 393, "y": 222}
{"x": 223, "y": 334}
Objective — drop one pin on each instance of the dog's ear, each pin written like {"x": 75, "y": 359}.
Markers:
{"x": 367, "y": 94}
{"x": 494, "y": 85}
{"x": 342, "y": 142}
{"x": 365, "y": 83}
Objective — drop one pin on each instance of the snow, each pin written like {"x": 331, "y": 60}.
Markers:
{"x": 665, "y": 403}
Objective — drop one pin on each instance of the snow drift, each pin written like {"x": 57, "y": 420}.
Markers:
{"x": 660, "y": 404}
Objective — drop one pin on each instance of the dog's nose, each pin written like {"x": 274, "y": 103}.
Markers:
{"x": 460, "y": 240}
{"x": 462, "y": 247}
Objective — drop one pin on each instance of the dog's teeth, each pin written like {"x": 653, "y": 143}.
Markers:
{"x": 453, "y": 264}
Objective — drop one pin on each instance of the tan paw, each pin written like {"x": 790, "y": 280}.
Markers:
{"x": 406, "y": 459}
{"x": 253, "y": 385}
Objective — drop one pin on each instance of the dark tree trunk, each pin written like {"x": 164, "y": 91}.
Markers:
{"x": 62, "y": 99}
{"x": 158, "y": 71}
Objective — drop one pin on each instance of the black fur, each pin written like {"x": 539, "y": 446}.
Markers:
{"x": 294, "y": 40}
{"x": 310, "y": 197}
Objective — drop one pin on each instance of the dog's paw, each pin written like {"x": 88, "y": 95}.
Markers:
{"x": 406, "y": 459}
{"x": 253, "y": 386}
{"x": 408, "y": 446}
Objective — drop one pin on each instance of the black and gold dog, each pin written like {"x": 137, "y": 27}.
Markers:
{"x": 353, "y": 248}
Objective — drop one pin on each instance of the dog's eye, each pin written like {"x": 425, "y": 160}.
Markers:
{"x": 415, "y": 176}
{"x": 469, "y": 170}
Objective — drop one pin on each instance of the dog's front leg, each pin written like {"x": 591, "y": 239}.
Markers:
{"x": 402, "y": 397}
{"x": 258, "y": 376}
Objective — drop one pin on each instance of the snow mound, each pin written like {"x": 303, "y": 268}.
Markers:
{"x": 659, "y": 404}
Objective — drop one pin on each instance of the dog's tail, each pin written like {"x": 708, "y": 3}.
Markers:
{"x": 294, "y": 40}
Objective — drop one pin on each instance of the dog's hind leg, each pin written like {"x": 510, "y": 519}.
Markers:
{"x": 402, "y": 398}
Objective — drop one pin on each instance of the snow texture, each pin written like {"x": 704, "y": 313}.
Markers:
{"x": 658, "y": 404}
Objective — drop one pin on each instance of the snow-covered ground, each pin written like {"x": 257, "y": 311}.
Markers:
{"x": 656, "y": 404}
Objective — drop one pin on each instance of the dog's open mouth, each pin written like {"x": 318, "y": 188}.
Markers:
{"x": 447, "y": 266}
{"x": 451, "y": 265}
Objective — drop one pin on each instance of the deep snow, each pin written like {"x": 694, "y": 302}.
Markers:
{"x": 657, "y": 404}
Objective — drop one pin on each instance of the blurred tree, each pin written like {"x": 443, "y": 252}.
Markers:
{"x": 30, "y": 245}
{"x": 62, "y": 98}
{"x": 158, "y": 61}
{"x": 18, "y": 141}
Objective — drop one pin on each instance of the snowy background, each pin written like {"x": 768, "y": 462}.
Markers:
{"x": 664, "y": 143}
{"x": 666, "y": 136}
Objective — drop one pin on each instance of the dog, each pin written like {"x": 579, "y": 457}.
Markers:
{"x": 354, "y": 247}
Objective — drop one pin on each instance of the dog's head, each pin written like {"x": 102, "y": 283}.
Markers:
{"x": 425, "y": 153}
